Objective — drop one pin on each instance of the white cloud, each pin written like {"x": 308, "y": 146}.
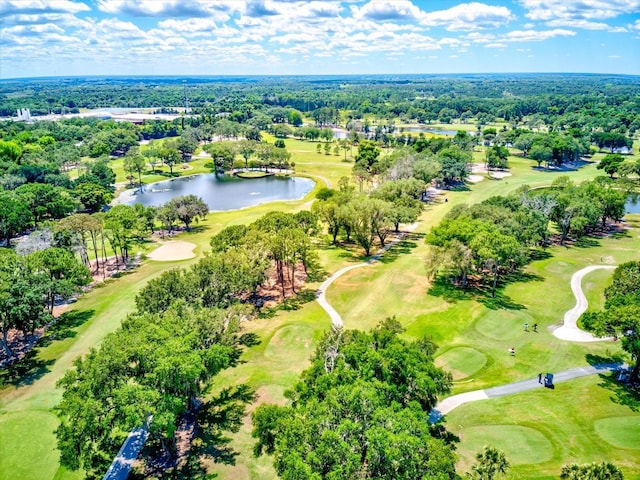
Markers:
{"x": 477, "y": 37}
{"x": 547, "y": 10}
{"x": 381, "y": 10}
{"x": 496, "y": 45}
{"x": 469, "y": 16}
{"x": 219, "y": 9}
{"x": 585, "y": 24}
{"x": 13, "y": 7}
{"x": 536, "y": 35}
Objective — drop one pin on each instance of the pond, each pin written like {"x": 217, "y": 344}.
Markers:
{"x": 633, "y": 204}
{"x": 224, "y": 192}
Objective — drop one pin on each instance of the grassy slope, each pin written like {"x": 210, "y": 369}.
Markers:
{"x": 289, "y": 338}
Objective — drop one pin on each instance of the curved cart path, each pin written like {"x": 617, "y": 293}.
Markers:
{"x": 336, "y": 319}
{"x": 446, "y": 405}
{"x": 569, "y": 330}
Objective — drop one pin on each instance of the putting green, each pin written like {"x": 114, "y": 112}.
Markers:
{"x": 522, "y": 445}
{"x": 462, "y": 362}
{"x": 621, "y": 432}
{"x": 291, "y": 342}
{"x": 17, "y": 438}
{"x": 503, "y": 324}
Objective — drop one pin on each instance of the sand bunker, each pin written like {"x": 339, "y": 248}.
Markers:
{"x": 174, "y": 250}
{"x": 500, "y": 174}
{"x": 475, "y": 178}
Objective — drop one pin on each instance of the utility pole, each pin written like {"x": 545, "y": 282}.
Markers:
{"x": 186, "y": 98}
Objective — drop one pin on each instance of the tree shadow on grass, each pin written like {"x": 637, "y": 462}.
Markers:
{"x": 626, "y": 394}
{"x": 586, "y": 242}
{"x": 64, "y": 326}
{"x": 540, "y": 254}
{"x": 31, "y": 367}
{"x": 25, "y": 371}
{"x": 401, "y": 248}
{"x": 482, "y": 292}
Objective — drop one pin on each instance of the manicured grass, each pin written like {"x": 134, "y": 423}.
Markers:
{"x": 573, "y": 419}
{"x": 462, "y": 362}
{"x": 522, "y": 445}
{"x": 620, "y": 432}
{"x": 471, "y": 329}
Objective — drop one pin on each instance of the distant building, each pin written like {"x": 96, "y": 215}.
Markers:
{"x": 24, "y": 114}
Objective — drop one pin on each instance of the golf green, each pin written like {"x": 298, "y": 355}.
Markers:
{"x": 503, "y": 324}
{"x": 621, "y": 432}
{"x": 522, "y": 445}
{"x": 462, "y": 362}
{"x": 290, "y": 341}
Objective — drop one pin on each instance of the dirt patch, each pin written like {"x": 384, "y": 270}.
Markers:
{"x": 172, "y": 251}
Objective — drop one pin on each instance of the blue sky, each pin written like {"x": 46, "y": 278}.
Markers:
{"x": 287, "y": 37}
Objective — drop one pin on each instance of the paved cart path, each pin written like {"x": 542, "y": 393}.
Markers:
{"x": 569, "y": 329}
{"x": 446, "y": 405}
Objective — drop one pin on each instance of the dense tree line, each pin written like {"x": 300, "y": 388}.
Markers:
{"x": 497, "y": 234}
{"x": 593, "y": 102}
{"x": 621, "y": 315}
{"x": 155, "y": 369}
{"x": 30, "y": 286}
{"x": 360, "y": 411}
{"x": 159, "y": 365}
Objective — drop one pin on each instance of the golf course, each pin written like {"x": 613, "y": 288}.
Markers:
{"x": 588, "y": 419}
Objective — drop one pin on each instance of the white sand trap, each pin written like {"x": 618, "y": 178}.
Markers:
{"x": 500, "y": 174}
{"x": 174, "y": 250}
{"x": 475, "y": 178}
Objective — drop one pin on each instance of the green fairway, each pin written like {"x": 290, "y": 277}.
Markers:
{"x": 560, "y": 426}
{"x": 540, "y": 431}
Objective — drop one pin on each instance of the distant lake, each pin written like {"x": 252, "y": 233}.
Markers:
{"x": 633, "y": 204}
{"x": 224, "y": 192}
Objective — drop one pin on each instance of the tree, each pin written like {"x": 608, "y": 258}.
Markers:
{"x": 188, "y": 208}
{"x": 621, "y": 316}
{"x": 540, "y": 154}
{"x": 223, "y": 154}
{"x": 92, "y": 196}
{"x": 170, "y": 157}
{"x": 496, "y": 157}
{"x": 611, "y": 163}
{"x": 63, "y": 275}
{"x": 369, "y": 218}
{"x": 134, "y": 162}
{"x": 455, "y": 164}
{"x": 490, "y": 463}
{"x": 367, "y": 157}
{"x": 593, "y": 471}
{"x": 45, "y": 201}
{"x": 15, "y": 216}
{"x": 21, "y": 294}
{"x": 246, "y": 148}
{"x": 360, "y": 411}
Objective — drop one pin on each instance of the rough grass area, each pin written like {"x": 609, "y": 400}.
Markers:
{"x": 540, "y": 430}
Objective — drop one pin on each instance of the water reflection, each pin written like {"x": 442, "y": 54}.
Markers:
{"x": 225, "y": 192}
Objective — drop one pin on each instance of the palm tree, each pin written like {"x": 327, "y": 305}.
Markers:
{"x": 491, "y": 462}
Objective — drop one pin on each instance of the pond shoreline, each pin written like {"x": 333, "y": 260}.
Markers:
{"x": 128, "y": 196}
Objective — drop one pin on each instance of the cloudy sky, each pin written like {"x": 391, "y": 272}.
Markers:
{"x": 228, "y": 37}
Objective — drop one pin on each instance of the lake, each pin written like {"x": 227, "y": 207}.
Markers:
{"x": 633, "y": 204}
{"x": 224, "y": 192}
